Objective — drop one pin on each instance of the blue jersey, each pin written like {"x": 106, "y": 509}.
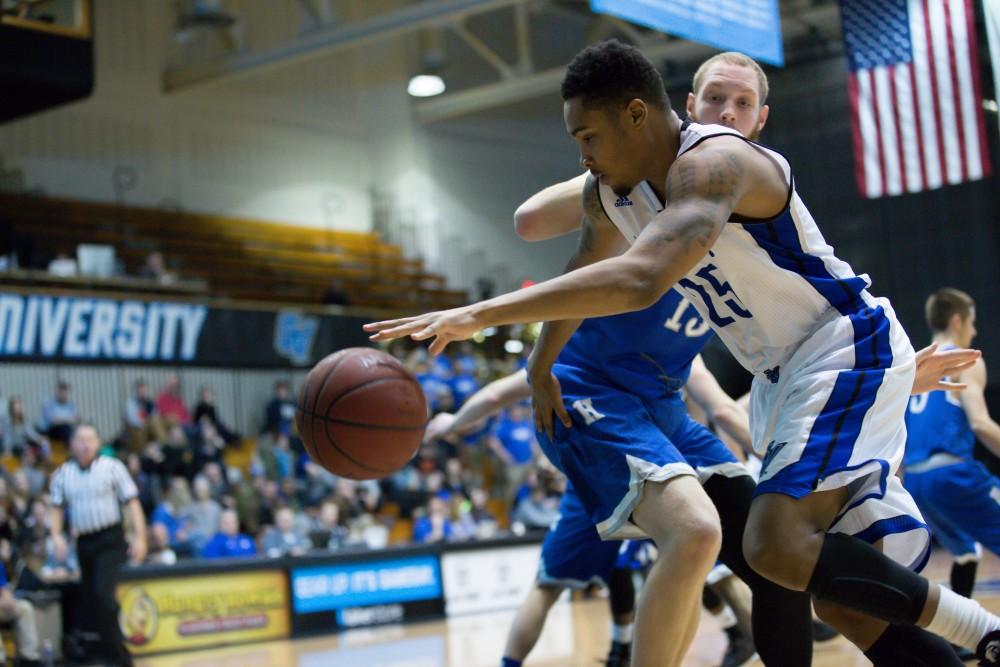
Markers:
{"x": 646, "y": 353}
{"x": 936, "y": 423}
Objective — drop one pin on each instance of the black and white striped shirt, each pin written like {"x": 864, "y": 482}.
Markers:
{"x": 92, "y": 496}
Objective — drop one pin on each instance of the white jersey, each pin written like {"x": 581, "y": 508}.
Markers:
{"x": 765, "y": 285}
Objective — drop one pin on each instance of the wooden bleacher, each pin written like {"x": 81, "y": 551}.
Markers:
{"x": 237, "y": 258}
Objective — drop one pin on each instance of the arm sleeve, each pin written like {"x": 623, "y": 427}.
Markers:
{"x": 56, "y": 491}
{"x": 124, "y": 485}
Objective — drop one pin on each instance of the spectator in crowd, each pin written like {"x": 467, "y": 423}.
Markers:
{"x": 205, "y": 409}
{"x": 283, "y": 539}
{"x": 317, "y": 483}
{"x": 160, "y": 552}
{"x": 435, "y": 525}
{"x": 537, "y": 511}
{"x": 155, "y": 268}
{"x": 513, "y": 442}
{"x": 475, "y": 519}
{"x": 174, "y": 453}
{"x": 280, "y": 412}
{"x": 144, "y": 481}
{"x": 22, "y": 614}
{"x": 436, "y": 390}
{"x": 326, "y": 531}
{"x": 34, "y": 532}
{"x": 207, "y": 444}
{"x": 170, "y": 404}
{"x": 142, "y": 424}
{"x": 59, "y": 414}
{"x": 37, "y": 478}
{"x": 229, "y": 542}
{"x": 17, "y": 432}
{"x": 336, "y": 294}
{"x": 217, "y": 481}
{"x": 274, "y": 450}
{"x": 463, "y": 384}
{"x": 172, "y": 513}
{"x": 202, "y": 515}
{"x": 63, "y": 265}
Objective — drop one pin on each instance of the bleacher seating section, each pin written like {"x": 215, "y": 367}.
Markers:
{"x": 238, "y": 258}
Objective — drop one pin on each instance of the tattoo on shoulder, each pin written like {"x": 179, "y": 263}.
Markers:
{"x": 592, "y": 200}
{"x": 709, "y": 182}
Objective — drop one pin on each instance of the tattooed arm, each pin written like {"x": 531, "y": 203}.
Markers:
{"x": 599, "y": 239}
{"x": 702, "y": 189}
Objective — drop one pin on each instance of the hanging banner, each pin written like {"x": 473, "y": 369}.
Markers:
{"x": 750, "y": 26}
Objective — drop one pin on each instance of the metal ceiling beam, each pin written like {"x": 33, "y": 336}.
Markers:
{"x": 523, "y": 88}
{"x": 324, "y": 41}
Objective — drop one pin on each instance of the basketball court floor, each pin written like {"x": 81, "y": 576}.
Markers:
{"x": 576, "y": 635}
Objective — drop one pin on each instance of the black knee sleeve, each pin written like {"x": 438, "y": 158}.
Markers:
{"x": 621, "y": 591}
{"x": 909, "y": 646}
{"x": 963, "y": 577}
{"x": 710, "y": 600}
{"x": 853, "y": 573}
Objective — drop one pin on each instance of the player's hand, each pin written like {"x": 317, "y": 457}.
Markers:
{"x": 137, "y": 549}
{"x": 439, "y": 426}
{"x": 444, "y": 326}
{"x": 933, "y": 368}
{"x": 546, "y": 398}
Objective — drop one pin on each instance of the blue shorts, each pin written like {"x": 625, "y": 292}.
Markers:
{"x": 960, "y": 504}
{"x": 573, "y": 554}
{"x": 618, "y": 441}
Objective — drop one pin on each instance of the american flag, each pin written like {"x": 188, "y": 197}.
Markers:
{"x": 915, "y": 95}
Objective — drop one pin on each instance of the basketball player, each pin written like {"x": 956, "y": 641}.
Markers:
{"x": 832, "y": 366}
{"x": 956, "y": 494}
{"x": 643, "y": 378}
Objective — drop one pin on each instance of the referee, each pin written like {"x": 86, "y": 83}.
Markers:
{"x": 91, "y": 489}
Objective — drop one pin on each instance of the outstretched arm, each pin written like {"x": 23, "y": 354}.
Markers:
{"x": 719, "y": 406}
{"x": 702, "y": 189}
{"x": 935, "y": 368}
{"x": 486, "y": 402}
{"x": 973, "y": 399}
{"x": 554, "y": 211}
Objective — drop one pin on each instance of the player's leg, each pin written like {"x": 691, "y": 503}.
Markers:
{"x": 786, "y": 541}
{"x": 573, "y": 556}
{"x": 682, "y": 521}
{"x": 528, "y": 623}
{"x": 782, "y": 619}
{"x": 621, "y": 597}
{"x": 735, "y": 601}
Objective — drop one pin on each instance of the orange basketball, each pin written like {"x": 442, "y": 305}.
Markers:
{"x": 361, "y": 413}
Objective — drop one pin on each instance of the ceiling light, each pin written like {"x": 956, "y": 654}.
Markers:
{"x": 426, "y": 85}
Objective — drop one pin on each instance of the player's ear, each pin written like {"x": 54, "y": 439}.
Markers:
{"x": 762, "y": 118}
{"x": 690, "y": 106}
{"x": 636, "y": 113}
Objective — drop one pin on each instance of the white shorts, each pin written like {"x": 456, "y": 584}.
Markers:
{"x": 835, "y": 418}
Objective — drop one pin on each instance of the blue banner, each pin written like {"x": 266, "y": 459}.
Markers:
{"x": 750, "y": 26}
{"x": 327, "y": 588}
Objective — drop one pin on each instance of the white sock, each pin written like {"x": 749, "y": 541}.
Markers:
{"x": 726, "y": 617}
{"x": 621, "y": 633}
{"x": 960, "y": 620}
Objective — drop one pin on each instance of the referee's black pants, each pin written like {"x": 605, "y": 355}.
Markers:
{"x": 102, "y": 555}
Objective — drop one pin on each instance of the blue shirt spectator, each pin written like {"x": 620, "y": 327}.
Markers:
{"x": 463, "y": 385}
{"x": 515, "y": 434}
{"x": 59, "y": 414}
{"x": 436, "y": 526}
{"x": 229, "y": 542}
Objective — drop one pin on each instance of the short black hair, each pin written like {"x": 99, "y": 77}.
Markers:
{"x": 611, "y": 73}
{"x": 944, "y": 304}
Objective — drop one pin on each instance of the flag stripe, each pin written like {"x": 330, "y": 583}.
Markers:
{"x": 945, "y": 92}
{"x": 919, "y": 141}
{"x": 874, "y": 162}
{"x": 887, "y": 131}
{"x": 924, "y": 98}
{"x": 973, "y": 44}
{"x": 903, "y": 104}
{"x": 956, "y": 85}
{"x": 860, "y": 174}
{"x": 933, "y": 95}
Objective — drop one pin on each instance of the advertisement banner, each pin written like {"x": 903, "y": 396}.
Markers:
{"x": 38, "y": 327}
{"x": 171, "y": 614}
{"x": 750, "y": 26}
{"x": 365, "y": 593}
{"x": 488, "y": 580}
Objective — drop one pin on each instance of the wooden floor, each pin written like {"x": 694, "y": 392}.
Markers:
{"x": 576, "y": 635}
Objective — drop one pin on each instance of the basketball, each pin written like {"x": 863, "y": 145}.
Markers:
{"x": 361, "y": 414}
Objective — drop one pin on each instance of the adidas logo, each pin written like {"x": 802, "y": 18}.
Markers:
{"x": 772, "y": 451}
{"x": 623, "y": 201}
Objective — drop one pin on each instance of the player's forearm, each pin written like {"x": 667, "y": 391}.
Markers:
{"x": 736, "y": 424}
{"x": 491, "y": 399}
{"x": 554, "y": 211}
{"x": 987, "y": 432}
{"x": 551, "y": 341}
{"x": 614, "y": 286}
